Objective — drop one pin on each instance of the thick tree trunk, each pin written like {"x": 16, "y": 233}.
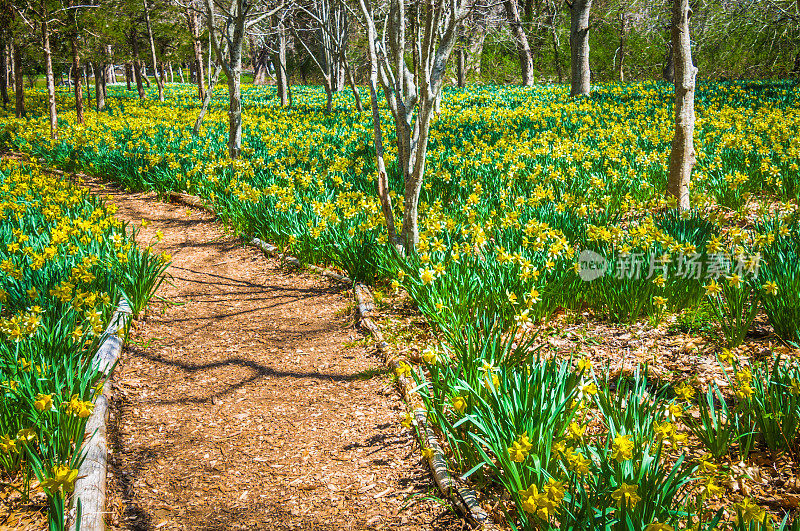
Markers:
{"x": 580, "y": 75}
{"x": 51, "y": 85}
{"x": 682, "y": 156}
{"x": 521, "y": 40}
{"x": 194, "y": 30}
{"x": 4, "y": 69}
{"x": 76, "y": 77}
{"x": 19, "y": 87}
{"x": 159, "y": 75}
{"x": 668, "y": 72}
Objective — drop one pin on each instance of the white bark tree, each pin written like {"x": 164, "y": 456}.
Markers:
{"x": 411, "y": 96}
{"x": 228, "y": 31}
{"x": 682, "y": 156}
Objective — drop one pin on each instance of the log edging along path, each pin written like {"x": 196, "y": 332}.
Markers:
{"x": 90, "y": 487}
{"x": 462, "y": 497}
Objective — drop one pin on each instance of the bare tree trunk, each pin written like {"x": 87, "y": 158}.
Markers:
{"x": 159, "y": 75}
{"x": 668, "y": 72}
{"x": 194, "y": 30}
{"x": 19, "y": 87}
{"x": 76, "y": 77}
{"x": 473, "y": 62}
{"x": 207, "y": 100}
{"x": 623, "y": 23}
{"x": 51, "y": 85}
{"x": 682, "y": 156}
{"x": 4, "y": 69}
{"x": 352, "y": 82}
{"x": 99, "y": 86}
{"x": 110, "y": 75}
{"x": 556, "y": 54}
{"x": 137, "y": 67}
{"x": 521, "y": 40}
{"x": 461, "y": 68}
{"x": 128, "y": 75}
{"x": 580, "y": 75}
{"x": 281, "y": 76}
{"x": 180, "y": 73}
{"x": 383, "y": 177}
{"x": 85, "y": 71}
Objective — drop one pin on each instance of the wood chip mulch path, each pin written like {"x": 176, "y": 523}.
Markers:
{"x": 246, "y": 399}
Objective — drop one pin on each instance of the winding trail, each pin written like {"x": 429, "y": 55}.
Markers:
{"x": 248, "y": 399}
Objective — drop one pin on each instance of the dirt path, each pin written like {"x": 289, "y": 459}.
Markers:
{"x": 250, "y": 401}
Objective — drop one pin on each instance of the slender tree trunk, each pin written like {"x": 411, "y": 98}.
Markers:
{"x": 99, "y": 91}
{"x": 352, "y": 82}
{"x": 171, "y": 72}
{"x": 194, "y": 30}
{"x": 461, "y": 68}
{"x": 473, "y": 65}
{"x": 51, "y": 85}
{"x": 235, "y": 115}
{"x": 128, "y": 75}
{"x": 556, "y": 54}
{"x": 380, "y": 163}
{"x": 668, "y": 72}
{"x": 76, "y": 77}
{"x": 4, "y": 69}
{"x": 281, "y": 75}
{"x": 85, "y": 71}
{"x": 521, "y": 40}
{"x": 796, "y": 67}
{"x": 159, "y": 76}
{"x": 109, "y": 75}
{"x": 180, "y": 73}
{"x": 623, "y": 22}
{"x": 19, "y": 87}
{"x": 580, "y": 75}
{"x": 207, "y": 100}
{"x": 682, "y": 156}
{"x": 137, "y": 67}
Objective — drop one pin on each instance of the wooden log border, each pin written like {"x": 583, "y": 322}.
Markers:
{"x": 463, "y": 498}
{"x": 90, "y": 487}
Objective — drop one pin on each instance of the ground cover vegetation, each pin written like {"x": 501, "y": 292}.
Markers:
{"x": 533, "y": 205}
{"x": 66, "y": 263}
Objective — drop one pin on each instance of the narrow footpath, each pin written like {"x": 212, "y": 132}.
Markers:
{"x": 247, "y": 399}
